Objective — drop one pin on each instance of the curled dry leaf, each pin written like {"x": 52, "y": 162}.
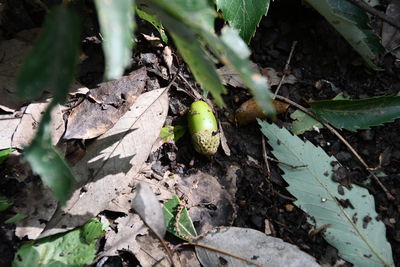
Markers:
{"x": 249, "y": 111}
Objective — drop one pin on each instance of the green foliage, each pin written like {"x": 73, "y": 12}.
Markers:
{"x": 48, "y": 163}
{"x": 358, "y": 114}
{"x": 243, "y": 15}
{"x": 153, "y": 20}
{"x": 354, "y": 228}
{"x": 74, "y": 248}
{"x": 117, "y": 24}
{"x": 51, "y": 64}
{"x": 185, "y": 224}
{"x": 4, "y": 154}
{"x": 4, "y": 203}
{"x": 353, "y": 24}
{"x": 172, "y": 133}
{"x": 303, "y": 122}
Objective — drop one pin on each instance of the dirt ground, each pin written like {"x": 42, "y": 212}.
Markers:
{"x": 262, "y": 200}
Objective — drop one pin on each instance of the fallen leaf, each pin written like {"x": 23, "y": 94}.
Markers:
{"x": 29, "y": 123}
{"x": 149, "y": 209}
{"x": 274, "y": 77}
{"x": 391, "y": 35}
{"x": 252, "y": 245}
{"x": 8, "y": 125}
{"x": 123, "y": 235}
{"x": 232, "y": 77}
{"x": 90, "y": 119}
{"x": 112, "y": 162}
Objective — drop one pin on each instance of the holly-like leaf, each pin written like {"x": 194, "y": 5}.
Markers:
{"x": 243, "y": 15}
{"x": 355, "y": 114}
{"x": 352, "y": 224}
{"x": 185, "y": 224}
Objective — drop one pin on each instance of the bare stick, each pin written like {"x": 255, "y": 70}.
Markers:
{"x": 286, "y": 68}
{"x": 375, "y": 12}
{"x": 216, "y": 250}
{"x": 265, "y": 156}
{"x": 347, "y": 144}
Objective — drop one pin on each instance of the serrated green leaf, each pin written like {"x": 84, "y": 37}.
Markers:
{"x": 117, "y": 23}
{"x": 4, "y": 154}
{"x": 243, "y": 15}
{"x": 361, "y": 243}
{"x": 52, "y": 62}
{"x": 172, "y": 133}
{"x": 355, "y": 114}
{"x": 185, "y": 224}
{"x": 5, "y": 203}
{"x": 303, "y": 122}
{"x": 16, "y": 218}
{"x": 353, "y": 24}
{"x": 67, "y": 249}
{"x": 153, "y": 20}
{"x": 47, "y": 162}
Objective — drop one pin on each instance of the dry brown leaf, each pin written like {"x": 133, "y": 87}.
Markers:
{"x": 391, "y": 35}
{"x": 274, "y": 77}
{"x": 112, "y": 162}
{"x": 8, "y": 125}
{"x": 90, "y": 119}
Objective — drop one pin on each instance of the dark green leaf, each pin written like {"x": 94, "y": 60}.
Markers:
{"x": 353, "y": 24}
{"x": 74, "y": 248}
{"x": 116, "y": 19}
{"x": 52, "y": 62}
{"x": 359, "y": 113}
{"x": 243, "y": 15}
{"x": 46, "y": 161}
{"x": 153, "y": 20}
{"x": 4, "y": 154}
{"x": 185, "y": 224}
{"x": 4, "y": 203}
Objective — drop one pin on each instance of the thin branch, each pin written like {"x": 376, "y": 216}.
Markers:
{"x": 216, "y": 250}
{"x": 285, "y": 69}
{"x": 347, "y": 144}
{"x": 376, "y": 13}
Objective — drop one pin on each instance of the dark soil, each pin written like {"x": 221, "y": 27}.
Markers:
{"x": 321, "y": 54}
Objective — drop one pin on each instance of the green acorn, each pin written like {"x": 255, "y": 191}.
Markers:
{"x": 203, "y": 128}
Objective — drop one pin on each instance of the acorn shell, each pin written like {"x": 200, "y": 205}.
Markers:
{"x": 203, "y": 128}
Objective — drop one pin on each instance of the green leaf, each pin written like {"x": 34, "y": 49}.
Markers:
{"x": 4, "y": 203}
{"x": 353, "y": 24}
{"x": 199, "y": 62}
{"x": 67, "y": 249}
{"x": 4, "y": 154}
{"x": 358, "y": 113}
{"x": 172, "y": 133}
{"x": 52, "y": 62}
{"x": 354, "y": 230}
{"x": 116, "y": 19}
{"x": 185, "y": 224}
{"x": 303, "y": 122}
{"x": 47, "y": 162}
{"x": 153, "y": 20}
{"x": 17, "y": 217}
{"x": 243, "y": 15}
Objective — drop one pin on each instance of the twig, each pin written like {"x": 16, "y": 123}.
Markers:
{"x": 286, "y": 68}
{"x": 265, "y": 156}
{"x": 347, "y": 144}
{"x": 216, "y": 250}
{"x": 375, "y": 12}
{"x": 287, "y": 164}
